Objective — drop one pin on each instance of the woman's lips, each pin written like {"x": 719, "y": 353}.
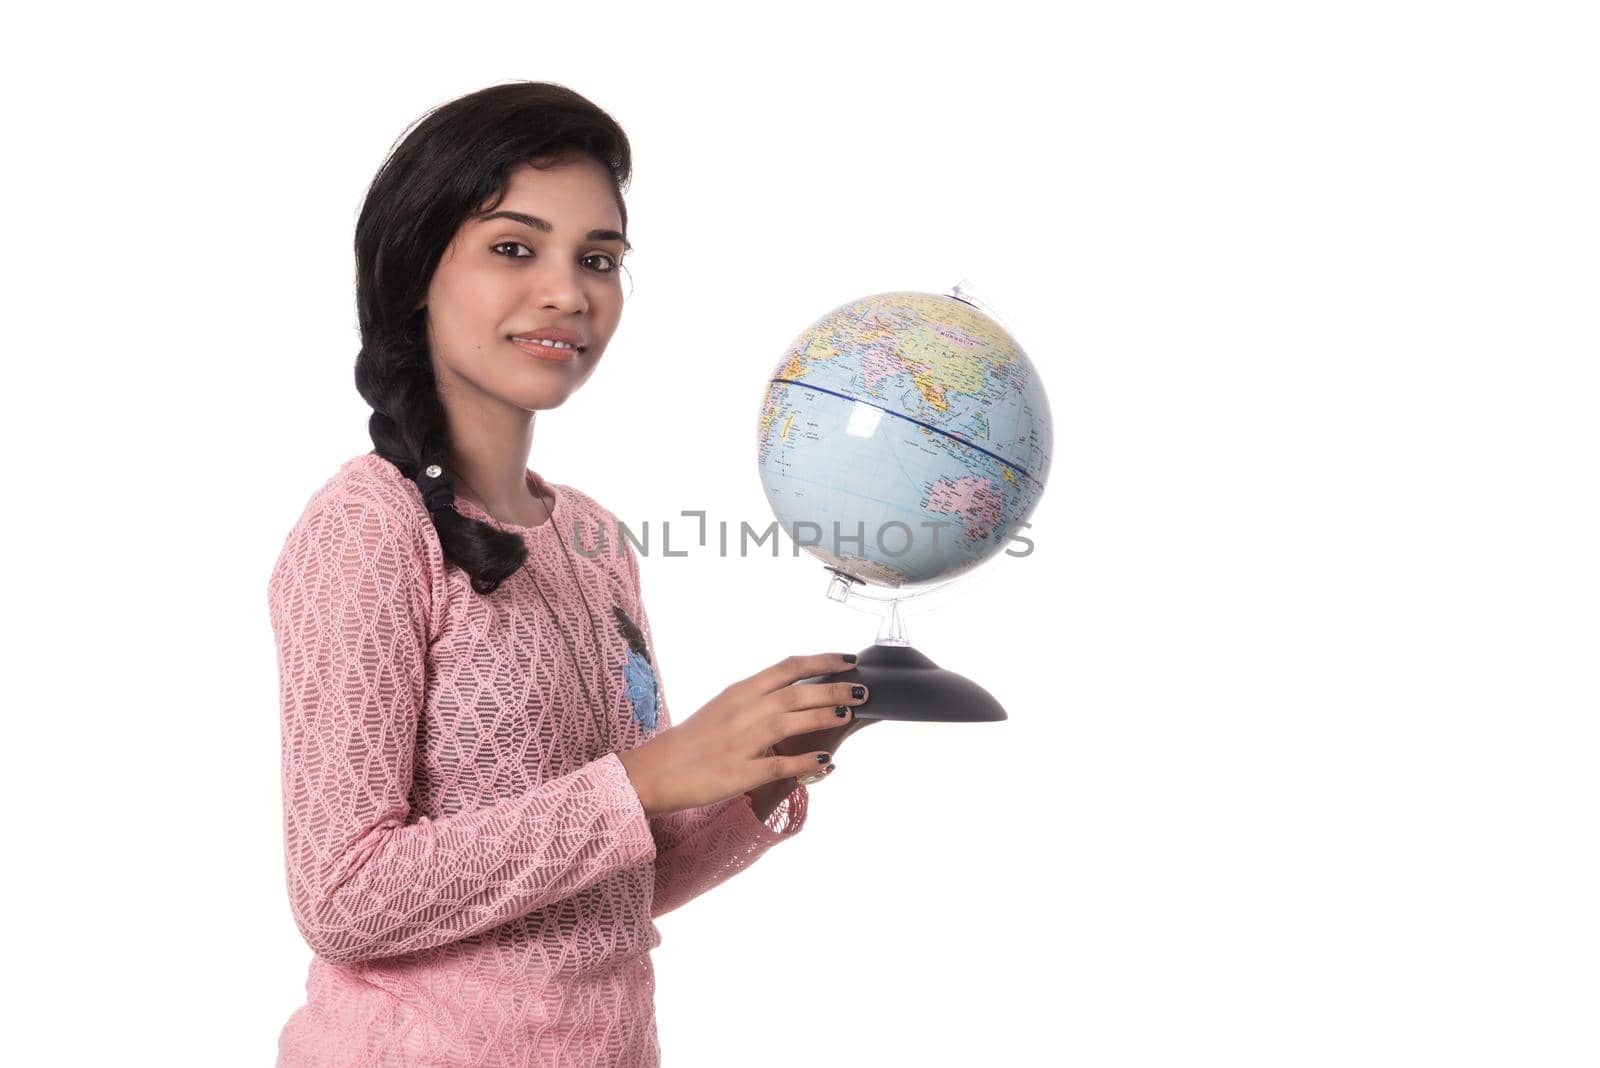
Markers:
{"x": 545, "y": 352}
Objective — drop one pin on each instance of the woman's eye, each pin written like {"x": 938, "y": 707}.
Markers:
{"x": 518, "y": 244}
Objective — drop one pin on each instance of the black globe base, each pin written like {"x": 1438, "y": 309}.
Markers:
{"x": 903, "y": 684}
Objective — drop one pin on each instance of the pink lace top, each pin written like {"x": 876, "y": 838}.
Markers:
{"x": 465, "y": 853}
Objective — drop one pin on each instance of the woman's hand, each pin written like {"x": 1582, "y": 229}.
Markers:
{"x": 726, "y": 748}
{"x": 827, "y": 740}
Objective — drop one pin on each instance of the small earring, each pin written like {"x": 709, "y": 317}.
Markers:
{"x": 434, "y": 471}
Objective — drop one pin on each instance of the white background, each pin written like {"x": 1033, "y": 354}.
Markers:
{"x": 1301, "y": 763}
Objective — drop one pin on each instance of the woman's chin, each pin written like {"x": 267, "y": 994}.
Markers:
{"x": 541, "y": 400}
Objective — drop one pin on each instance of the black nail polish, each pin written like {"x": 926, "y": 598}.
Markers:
{"x": 849, "y": 658}
{"x": 858, "y": 691}
{"x": 840, "y": 711}
{"x": 823, "y": 758}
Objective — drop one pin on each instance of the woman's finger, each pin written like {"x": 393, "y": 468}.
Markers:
{"x": 803, "y": 765}
{"x": 800, "y": 696}
{"x": 792, "y": 669}
{"x": 779, "y": 766}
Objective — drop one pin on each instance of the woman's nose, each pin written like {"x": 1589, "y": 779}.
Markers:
{"x": 558, "y": 288}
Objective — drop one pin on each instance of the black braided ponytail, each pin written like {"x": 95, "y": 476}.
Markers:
{"x": 453, "y": 161}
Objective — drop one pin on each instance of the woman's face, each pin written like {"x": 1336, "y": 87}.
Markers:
{"x": 502, "y": 277}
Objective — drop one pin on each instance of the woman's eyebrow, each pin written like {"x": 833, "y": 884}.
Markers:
{"x": 533, "y": 222}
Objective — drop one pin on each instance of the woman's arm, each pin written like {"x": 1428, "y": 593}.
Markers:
{"x": 348, "y": 601}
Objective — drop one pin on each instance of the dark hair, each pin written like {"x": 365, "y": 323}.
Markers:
{"x": 453, "y": 160}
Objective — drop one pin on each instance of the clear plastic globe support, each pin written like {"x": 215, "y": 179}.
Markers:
{"x": 903, "y": 439}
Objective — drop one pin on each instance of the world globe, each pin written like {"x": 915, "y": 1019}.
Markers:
{"x": 904, "y": 438}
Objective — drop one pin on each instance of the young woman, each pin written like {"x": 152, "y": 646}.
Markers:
{"x": 486, "y": 804}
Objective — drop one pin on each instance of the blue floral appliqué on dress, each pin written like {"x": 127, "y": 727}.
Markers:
{"x": 644, "y": 691}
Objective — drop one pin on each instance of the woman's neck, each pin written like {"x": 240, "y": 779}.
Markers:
{"x": 527, "y": 510}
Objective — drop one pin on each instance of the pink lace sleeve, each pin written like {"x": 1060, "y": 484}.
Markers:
{"x": 349, "y": 601}
{"x": 698, "y": 848}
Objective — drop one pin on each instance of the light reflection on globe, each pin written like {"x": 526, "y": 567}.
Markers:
{"x": 904, "y": 438}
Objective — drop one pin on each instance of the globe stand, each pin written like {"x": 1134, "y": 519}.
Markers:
{"x": 904, "y": 684}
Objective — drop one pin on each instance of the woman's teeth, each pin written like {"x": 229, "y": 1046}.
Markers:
{"x": 549, "y": 344}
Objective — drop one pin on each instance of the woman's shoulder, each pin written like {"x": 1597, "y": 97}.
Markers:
{"x": 582, "y": 504}
{"x": 365, "y": 509}
{"x": 365, "y": 496}
{"x": 597, "y": 526}
{"x": 370, "y": 482}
